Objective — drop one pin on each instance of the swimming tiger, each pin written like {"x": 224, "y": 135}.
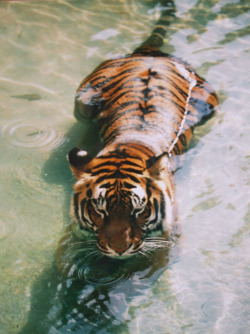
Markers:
{"x": 146, "y": 104}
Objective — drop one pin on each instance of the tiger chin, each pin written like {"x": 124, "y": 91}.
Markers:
{"x": 122, "y": 203}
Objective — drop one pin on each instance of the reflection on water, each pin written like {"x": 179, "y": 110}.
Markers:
{"x": 75, "y": 259}
{"x": 201, "y": 285}
{"x": 92, "y": 294}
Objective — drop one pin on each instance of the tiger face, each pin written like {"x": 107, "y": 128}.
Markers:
{"x": 120, "y": 200}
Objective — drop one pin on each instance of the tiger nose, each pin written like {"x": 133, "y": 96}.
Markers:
{"x": 121, "y": 248}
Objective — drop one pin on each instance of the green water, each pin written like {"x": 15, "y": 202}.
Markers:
{"x": 202, "y": 284}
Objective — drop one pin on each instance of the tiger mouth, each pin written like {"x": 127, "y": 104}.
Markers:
{"x": 122, "y": 252}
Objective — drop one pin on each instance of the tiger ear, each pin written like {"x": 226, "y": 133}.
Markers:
{"x": 78, "y": 160}
{"x": 158, "y": 167}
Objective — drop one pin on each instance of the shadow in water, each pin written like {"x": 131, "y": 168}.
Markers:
{"x": 92, "y": 294}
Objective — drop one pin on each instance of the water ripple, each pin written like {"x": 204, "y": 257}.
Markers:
{"x": 31, "y": 134}
{"x": 97, "y": 273}
{"x": 101, "y": 277}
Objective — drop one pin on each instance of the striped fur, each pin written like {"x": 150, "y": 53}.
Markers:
{"x": 147, "y": 105}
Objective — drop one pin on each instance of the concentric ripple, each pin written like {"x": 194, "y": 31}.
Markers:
{"x": 102, "y": 277}
{"x": 31, "y": 133}
{"x": 99, "y": 273}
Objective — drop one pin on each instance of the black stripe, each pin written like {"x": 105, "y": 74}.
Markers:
{"x": 83, "y": 218}
{"x": 176, "y": 96}
{"x": 131, "y": 170}
{"x": 183, "y": 140}
{"x": 76, "y": 207}
{"x": 133, "y": 178}
{"x": 106, "y": 164}
{"x": 89, "y": 193}
{"x": 181, "y": 91}
{"x": 102, "y": 178}
{"x": 149, "y": 212}
{"x": 177, "y": 73}
{"x": 112, "y": 119}
{"x": 82, "y": 210}
{"x": 119, "y": 164}
{"x": 162, "y": 207}
{"x": 174, "y": 82}
{"x": 103, "y": 170}
{"x": 123, "y": 91}
{"x": 119, "y": 62}
{"x": 204, "y": 86}
{"x": 180, "y": 108}
{"x": 116, "y": 154}
{"x": 99, "y": 84}
{"x": 176, "y": 149}
{"x": 148, "y": 190}
{"x": 116, "y": 132}
{"x": 156, "y": 208}
{"x": 119, "y": 113}
{"x": 128, "y": 185}
{"x": 116, "y": 175}
{"x": 128, "y": 88}
{"x": 118, "y": 76}
{"x": 105, "y": 185}
{"x": 127, "y": 162}
{"x": 111, "y": 171}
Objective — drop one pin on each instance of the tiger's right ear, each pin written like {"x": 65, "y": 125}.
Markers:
{"x": 78, "y": 160}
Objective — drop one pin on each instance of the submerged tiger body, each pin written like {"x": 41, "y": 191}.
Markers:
{"x": 147, "y": 105}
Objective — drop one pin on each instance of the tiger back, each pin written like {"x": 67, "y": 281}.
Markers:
{"x": 147, "y": 105}
{"x": 146, "y": 97}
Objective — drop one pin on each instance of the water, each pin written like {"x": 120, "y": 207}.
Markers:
{"x": 200, "y": 284}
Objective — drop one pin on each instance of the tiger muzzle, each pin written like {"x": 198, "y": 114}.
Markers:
{"x": 119, "y": 238}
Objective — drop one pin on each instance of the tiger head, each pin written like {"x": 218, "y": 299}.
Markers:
{"x": 120, "y": 199}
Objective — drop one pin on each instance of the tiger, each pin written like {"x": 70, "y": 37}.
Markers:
{"x": 146, "y": 104}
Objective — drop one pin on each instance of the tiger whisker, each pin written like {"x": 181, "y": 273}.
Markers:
{"x": 85, "y": 242}
{"x": 142, "y": 252}
{"x": 99, "y": 255}
{"x": 82, "y": 249}
{"x": 159, "y": 239}
{"x": 82, "y": 245}
{"x": 90, "y": 255}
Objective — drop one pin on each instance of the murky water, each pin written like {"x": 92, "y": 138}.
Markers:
{"x": 201, "y": 284}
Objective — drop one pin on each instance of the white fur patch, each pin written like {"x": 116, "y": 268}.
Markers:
{"x": 139, "y": 192}
{"x": 82, "y": 153}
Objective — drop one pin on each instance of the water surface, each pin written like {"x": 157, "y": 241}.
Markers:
{"x": 200, "y": 285}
